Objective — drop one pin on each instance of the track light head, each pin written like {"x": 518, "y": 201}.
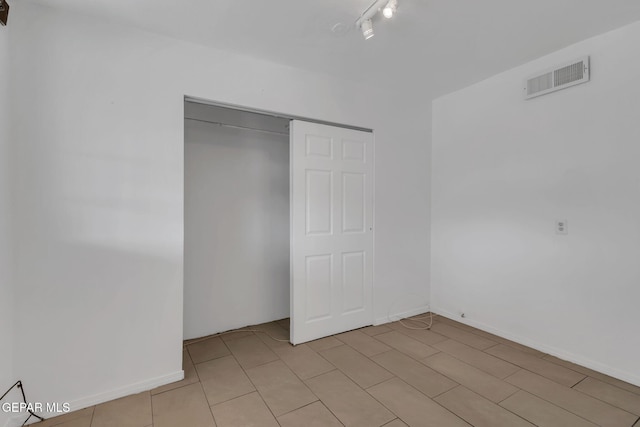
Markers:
{"x": 367, "y": 29}
{"x": 390, "y": 9}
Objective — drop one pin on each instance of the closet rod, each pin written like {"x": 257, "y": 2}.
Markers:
{"x": 238, "y": 127}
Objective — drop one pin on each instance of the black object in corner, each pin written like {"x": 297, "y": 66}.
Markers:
{"x": 24, "y": 398}
{"x": 4, "y": 12}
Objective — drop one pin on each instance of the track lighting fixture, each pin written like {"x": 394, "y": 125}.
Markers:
{"x": 367, "y": 29}
{"x": 388, "y": 8}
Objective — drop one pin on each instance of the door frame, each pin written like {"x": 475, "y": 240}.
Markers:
{"x": 243, "y": 108}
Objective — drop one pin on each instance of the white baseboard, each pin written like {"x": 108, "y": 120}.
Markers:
{"x": 553, "y": 351}
{"x": 397, "y": 316}
{"x": 96, "y": 399}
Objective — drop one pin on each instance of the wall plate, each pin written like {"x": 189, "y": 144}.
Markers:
{"x": 562, "y": 227}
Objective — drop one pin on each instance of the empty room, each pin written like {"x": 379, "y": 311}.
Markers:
{"x": 234, "y": 213}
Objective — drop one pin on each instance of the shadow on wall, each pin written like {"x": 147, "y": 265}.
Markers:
{"x": 109, "y": 313}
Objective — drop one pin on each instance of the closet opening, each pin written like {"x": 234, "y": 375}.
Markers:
{"x": 236, "y": 219}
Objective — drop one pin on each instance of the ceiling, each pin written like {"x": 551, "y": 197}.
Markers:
{"x": 431, "y": 46}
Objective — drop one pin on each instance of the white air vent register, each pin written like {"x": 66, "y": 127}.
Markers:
{"x": 559, "y": 77}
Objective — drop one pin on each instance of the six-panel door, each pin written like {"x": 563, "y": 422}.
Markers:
{"x": 331, "y": 230}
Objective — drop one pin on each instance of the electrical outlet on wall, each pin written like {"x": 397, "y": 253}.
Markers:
{"x": 562, "y": 226}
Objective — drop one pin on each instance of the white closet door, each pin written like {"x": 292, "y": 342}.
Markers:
{"x": 331, "y": 230}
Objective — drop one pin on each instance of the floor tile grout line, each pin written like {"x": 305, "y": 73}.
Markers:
{"x": 265, "y": 402}
{"x": 435, "y": 370}
{"x": 153, "y": 421}
{"x": 419, "y": 391}
{"x": 513, "y": 363}
{"x": 546, "y": 378}
{"x": 188, "y": 353}
{"x": 228, "y": 337}
{"x": 477, "y": 367}
{"x": 405, "y": 330}
{"x": 188, "y": 384}
{"x": 517, "y": 390}
{"x": 458, "y": 383}
{"x": 607, "y": 383}
{"x": 352, "y": 347}
{"x": 399, "y": 331}
{"x": 375, "y": 362}
{"x": 604, "y": 401}
{"x": 316, "y": 352}
{"x": 301, "y": 407}
{"x": 173, "y": 389}
{"x": 495, "y": 403}
{"x": 296, "y": 375}
{"x": 317, "y": 375}
{"x": 442, "y": 392}
{"x": 213, "y": 417}
{"x": 503, "y": 341}
{"x": 374, "y": 335}
{"x": 563, "y": 408}
{"x": 467, "y": 332}
{"x": 93, "y": 412}
{"x": 540, "y": 358}
{"x": 479, "y": 335}
{"x": 488, "y": 348}
{"x": 244, "y": 394}
{"x": 313, "y": 376}
{"x": 261, "y": 364}
{"x": 518, "y": 415}
{"x": 553, "y": 404}
{"x": 407, "y": 354}
{"x": 357, "y": 385}
{"x": 208, "y": 360}
{"x": 328, "y": 409}
{"x": 194, "y": 369}
{"x": 366, "y": 390}
{"x": 569, "y": 388}
{"x": 230, "y": 399}
{"x": 586, "y": 376}
{"x": 258, "y": 391}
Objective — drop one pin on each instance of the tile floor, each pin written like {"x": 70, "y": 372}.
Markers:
{"x": 451, "y": 375}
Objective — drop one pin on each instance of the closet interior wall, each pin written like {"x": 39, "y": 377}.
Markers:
{"x": 236, "y": 254}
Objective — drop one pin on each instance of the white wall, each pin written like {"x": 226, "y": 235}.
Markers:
{"x": 504, "y": 169}
{"x": 6, "y": 279}
{"x": 99, "y": 207}
{"x": 236, "y": 227}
